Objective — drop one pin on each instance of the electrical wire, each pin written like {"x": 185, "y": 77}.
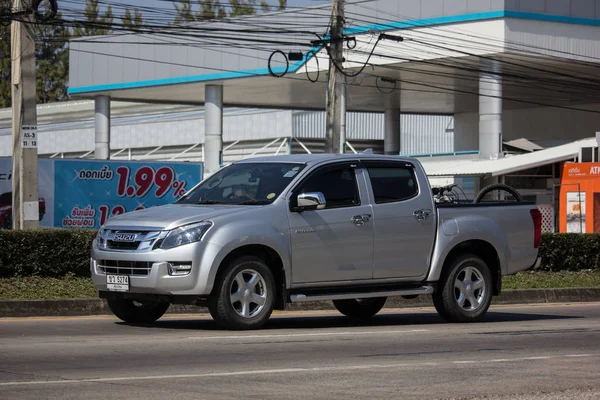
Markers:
{"x": 306, "y": 66}
{"x": 252, "y": 42}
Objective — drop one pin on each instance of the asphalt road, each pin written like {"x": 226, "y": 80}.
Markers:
{"x": 534, "y": 352}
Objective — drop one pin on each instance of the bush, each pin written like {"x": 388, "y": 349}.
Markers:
{"x": 66, "y": 252}
{"x": 570, "y": 251}
{"x": 45, "y": 252}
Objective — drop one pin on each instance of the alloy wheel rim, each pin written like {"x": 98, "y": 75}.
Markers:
{"x": 469, "y": 289}
{"x": 248, "y": 293}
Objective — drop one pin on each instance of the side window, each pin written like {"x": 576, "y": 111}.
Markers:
{"x": 338, "y": 186}
{"x": 392, "y": 184}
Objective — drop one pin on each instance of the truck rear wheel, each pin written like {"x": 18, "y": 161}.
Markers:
{"x": 465, "y": 291}
{"x": 360, "y": 308}
{"x": 244, "y": 295}
{"x": 133, "y": 311}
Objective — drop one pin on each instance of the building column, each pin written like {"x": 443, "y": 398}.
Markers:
{"x": 490, "y": 111}
{"x": 213, "y": 128}
{"x": 102, "y": 127}
{"x": 391, "y": 124}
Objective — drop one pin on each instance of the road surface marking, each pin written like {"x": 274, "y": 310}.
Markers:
{"x": 278, "y": 371}
{"x": 292, "y": 335}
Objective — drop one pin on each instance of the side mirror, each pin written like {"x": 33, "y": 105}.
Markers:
{"x": 311, "y": 201}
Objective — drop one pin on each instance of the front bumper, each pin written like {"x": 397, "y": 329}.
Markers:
{"x": 157, "y": 281}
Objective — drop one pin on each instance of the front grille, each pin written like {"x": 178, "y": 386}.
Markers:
{"x": 128, "y": 239}
{"x": 111, "y": 244}
{"x": 136, "y": 268}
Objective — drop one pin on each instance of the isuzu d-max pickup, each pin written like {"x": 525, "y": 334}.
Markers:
{"x": 355, "y": 229}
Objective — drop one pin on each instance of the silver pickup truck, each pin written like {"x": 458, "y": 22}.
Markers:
{"x": 354, "y": 229}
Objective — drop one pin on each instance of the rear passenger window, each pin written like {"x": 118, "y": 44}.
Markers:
{"x": 392, "y": 184}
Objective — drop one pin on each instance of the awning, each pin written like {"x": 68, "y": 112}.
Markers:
{"x": 506, "y": 165}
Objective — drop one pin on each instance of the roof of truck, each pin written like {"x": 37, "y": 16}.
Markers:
{"x": 317, "y": 158}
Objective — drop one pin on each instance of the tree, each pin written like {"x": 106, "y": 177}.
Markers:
{"x": 184, "y": 11}
{"x": 52, "y": 62}
{"x": 52, "y": 57}
{"x": 94, "y": 24}
{"x": 130, "y": 21}
{"x": 213, "y": 9}
{"x": 242, "y": 7}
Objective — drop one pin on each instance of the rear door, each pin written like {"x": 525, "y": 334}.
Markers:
{"x": 403, "y": 218}
{"x": 336, "y": 243}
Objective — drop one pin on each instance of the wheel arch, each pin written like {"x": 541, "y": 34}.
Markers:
{"x": 271, "y": 258}
{"x": 482, "y": 249}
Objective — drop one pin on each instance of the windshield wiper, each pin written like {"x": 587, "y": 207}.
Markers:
{"x": 253, "y": 202}
{"x": 211, "y": 202}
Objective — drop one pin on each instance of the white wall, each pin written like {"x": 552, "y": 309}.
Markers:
{"x": 545, "y": 123}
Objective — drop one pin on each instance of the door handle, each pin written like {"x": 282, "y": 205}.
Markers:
{"x": 361, "y": 219}
{"x": 422, "y": 215}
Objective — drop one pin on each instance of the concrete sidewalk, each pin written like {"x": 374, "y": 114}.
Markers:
{"x": 77, "y": 307}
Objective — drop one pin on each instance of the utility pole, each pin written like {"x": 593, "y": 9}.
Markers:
{"x": 25, "y": 202}
{"x": 335, "y": 136}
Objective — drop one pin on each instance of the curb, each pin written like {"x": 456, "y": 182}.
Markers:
{"x": 82, "y": 307}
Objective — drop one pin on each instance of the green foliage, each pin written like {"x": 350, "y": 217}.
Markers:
{"x": 59, "y": 252}
{"x": 94, "y": 23}
{"x": 132, "y": 21}
{"x": 45, "y": 252}
{"x": 54, "y": 263}
{"x": 35, "y": 287}
{"x": 551, "y": 280}
{"x": 52, "y": 57}
{"x": 570, "y": 251}
{"x": 214, "y": 9}
{"x": 52, "y": 54}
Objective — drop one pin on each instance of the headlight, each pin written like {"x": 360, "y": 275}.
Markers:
{"x": 101, "y": 238}
{"x": 185, "y": 234}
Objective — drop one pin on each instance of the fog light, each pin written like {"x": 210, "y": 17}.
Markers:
{"x": 179, "y": 269}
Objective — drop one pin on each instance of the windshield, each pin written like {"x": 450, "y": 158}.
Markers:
{"x": 244, "y": 183}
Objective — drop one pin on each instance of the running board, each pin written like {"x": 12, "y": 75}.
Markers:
{"x": 296, "y": 298}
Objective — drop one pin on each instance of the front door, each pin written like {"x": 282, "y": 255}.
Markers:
{"x": 331, "y": 244}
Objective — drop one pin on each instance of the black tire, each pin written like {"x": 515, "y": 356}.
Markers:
{"x": 226, "y": 311}
{"x": 447, "y": 299}
{"x": 498, "y": 186}
{"x": 360, "y": 308}
{"x": 137, "y": 312}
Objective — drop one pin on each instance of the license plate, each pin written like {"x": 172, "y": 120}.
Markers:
{"x": 117, "y": 283}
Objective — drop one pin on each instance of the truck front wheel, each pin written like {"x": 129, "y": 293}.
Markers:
{"x": 360, "y": 308}
{"x": 465, "y": 290}
{"x": 244, "y": 294}
{"x": 136, "y": 312}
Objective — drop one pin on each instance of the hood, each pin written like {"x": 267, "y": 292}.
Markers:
{"x": 171, "y": 216}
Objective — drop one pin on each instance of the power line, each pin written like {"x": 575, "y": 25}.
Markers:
{"x": 255, "y": 43}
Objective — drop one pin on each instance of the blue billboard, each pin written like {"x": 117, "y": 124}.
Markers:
{"x": 88, "y": 192}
